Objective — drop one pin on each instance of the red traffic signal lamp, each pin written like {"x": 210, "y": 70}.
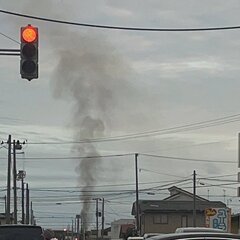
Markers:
{"x": 29, "y": 52}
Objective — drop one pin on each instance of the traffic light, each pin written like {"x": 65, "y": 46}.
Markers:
{"x": 29, "y": 52}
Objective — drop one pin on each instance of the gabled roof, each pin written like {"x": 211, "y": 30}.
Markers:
{"x": 173, "y": 206}
{"x": 175, "y": 203}
{"x": 176, "y": 193}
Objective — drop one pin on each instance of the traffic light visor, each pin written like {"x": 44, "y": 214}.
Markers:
{"x": 29, "y": 34}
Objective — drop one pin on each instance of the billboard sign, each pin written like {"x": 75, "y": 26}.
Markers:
{"x": 219, "y": 218}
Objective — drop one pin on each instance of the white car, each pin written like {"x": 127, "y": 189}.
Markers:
{"x": 197, "y": 229}
{"x": 197, "y": 236}
{"x": 148, "y": 235}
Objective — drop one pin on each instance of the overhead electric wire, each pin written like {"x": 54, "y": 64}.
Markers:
{"x": 188, "y": 159}
{"x": 217, "y": 185}
{"x": 6, "y": 36}
{"x": 110, "y": 194}
{"x": 171, "y": 130}
{"x": 117, "y": 196}
{"x": 131, "y": 154}
{"x": 160, "y": 173}
{"x": 58, "y": 189}
{"x": 188, "y": 145}
{"x": 120, "y": 27}
{"x": 77, "y": 157}
{"x": 218, "y": 176}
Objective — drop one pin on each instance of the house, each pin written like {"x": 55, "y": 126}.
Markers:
{"x": 235, "y": 223}
{"x": 3, "y": 218}
{"x": 120, "y": 227}
{"x": 164, "y": 216}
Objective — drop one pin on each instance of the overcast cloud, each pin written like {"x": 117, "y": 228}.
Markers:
{"x": 129, "y": 82}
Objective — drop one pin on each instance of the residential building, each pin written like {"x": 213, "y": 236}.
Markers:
{"x": 164, "y": 216}
{"x": 3, "y": 218}
{"x": 120, "y": 226}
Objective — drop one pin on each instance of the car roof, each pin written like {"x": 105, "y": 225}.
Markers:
{"x": 198, "y": 229}
{"x": 196, "y": 235}
{"x": 147, "y": 235}
{"x": 135, "y": 237}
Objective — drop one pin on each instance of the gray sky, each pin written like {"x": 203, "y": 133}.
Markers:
{"x": 98, "y": 83}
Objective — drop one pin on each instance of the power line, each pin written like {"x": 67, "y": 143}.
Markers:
{"x": 120, "y": 27}
{"x": 171, "y": 130}
{"x": 189, "y": 145}
{"x": 76, "y": 157}
{"x": 6, "y": 36}
{"x": 129, "y": 154}
{"x": 160, "y": 173}
{"x": 188, "y": 159}
{"x": 218, "y": 176}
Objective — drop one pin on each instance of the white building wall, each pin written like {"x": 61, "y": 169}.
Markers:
{"x": 116, "y": 227}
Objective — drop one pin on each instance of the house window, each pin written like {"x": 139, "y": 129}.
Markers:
{"x": 160, "y": 219}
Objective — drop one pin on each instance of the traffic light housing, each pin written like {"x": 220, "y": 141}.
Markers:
{"x": 29, "y": 52}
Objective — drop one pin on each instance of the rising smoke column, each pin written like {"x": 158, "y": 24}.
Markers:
{"x": 89, "y": 167}
{"x": 90, "y": 74}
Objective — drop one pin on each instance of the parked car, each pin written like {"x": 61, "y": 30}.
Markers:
{"x": 197, "y": 236}
{"x": 148, "y": 235}
{"x": 20, "y": 232}
{"x": 132, "y": 238}
{"x": 197, "y": 229}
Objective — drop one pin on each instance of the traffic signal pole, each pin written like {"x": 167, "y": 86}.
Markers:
{"x": 9, "y": 52}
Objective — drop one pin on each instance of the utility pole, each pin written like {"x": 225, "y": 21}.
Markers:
{"x": 31, "y": 221}
{"x": 23, "y": 215}
{"x": 137, "y": 200}
{"x": 194, "y": 198}
{"x": 97, "y": 215}
{"x": 27, "y": 204}
{"x": 16, "y": 146}
{"x": 238, "y": 150}
{"x": 8, "y": 181}
{"x": 102, "y": 233}
{"x": 14, "y": 182}
{"x": 78, "y": 232}
{"x": 5, "y": 204}
{"x": 20, "y": 176}
{"x": 72, "y": 230}
{"x": 83, "y": 228}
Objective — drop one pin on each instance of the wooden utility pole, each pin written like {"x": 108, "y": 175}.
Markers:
{"x": 194, "y": 198}
{"x": 14, "y": 182}
{"x": 27, "y": 204}
{"x": 102, "y": 232}
{"x": 8, "y": 181}
{"x": 23, "y": 215}
{"x": 137, "y": 200}
{"x": 97, "y": 218}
